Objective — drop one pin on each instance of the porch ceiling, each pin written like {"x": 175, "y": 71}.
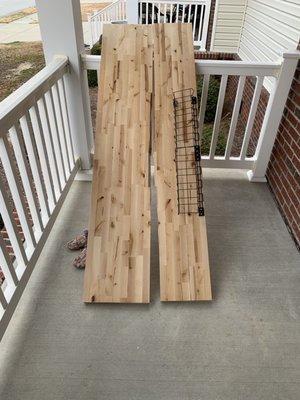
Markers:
{"x": 244, "y": 344}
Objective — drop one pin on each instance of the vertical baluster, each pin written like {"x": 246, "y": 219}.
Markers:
{"x": 205, "y": 24}
{"x": 153, "y": 15}
{"x": 235, "y": 115}
{"x": 218, "y": 116}
{"x": 158, "y": 13}
{"x": 17, "y": 142}
{"x": 100, "y": 25}
{"x": 91, "y": 19}
{"x": 147, "y": 5}
{"x": 95, "y": 22}
{"x": 7, "y": 266}
{"x": 35, "y": 166}
{"x": 140, "y": 13}
{"x": 43, "y": 155}
{"x": 8, "y": 164}
{"x": 200, "y": 22}
{"x": 251, "y": 117}
{"x": 189, "y": 13}
{"x": 165, "y": 13}
{"x": 205, "y": 86}
{"x": 11, "y": 228}
{"x": 98, "y": 28}
{"x": 66, "y": 119}
{"x": 3, "y": 300}
{"x": 56, "y": 138}
{"x": 61, "y": 129}
{"x": 195, "y": 21}
{"x": 49, "y": 144}
{"x": 177, "y": 12}
{"x": 90, "y": 27}
{"x": 183, "y": 13}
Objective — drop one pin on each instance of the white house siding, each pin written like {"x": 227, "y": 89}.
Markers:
{"x": 270, "y": 27}
{"x": 228, "y": 21}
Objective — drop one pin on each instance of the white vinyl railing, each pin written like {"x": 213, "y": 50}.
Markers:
{"x": 195, "y": 12}
{"x": 241, "y": 70}
{"x": 115, "y": 12}
{"x": 282, "y": 74}
{"x": 38, "y": 167}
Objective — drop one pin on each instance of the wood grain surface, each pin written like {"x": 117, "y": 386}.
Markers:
{"x": 183, "y": 252}
{"x": 118, "y": 258}
{"x": 141, "y": 67}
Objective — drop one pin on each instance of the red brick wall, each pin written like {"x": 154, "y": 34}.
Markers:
{"x": 211, "y": 55}
{"x": 283, "y": 172}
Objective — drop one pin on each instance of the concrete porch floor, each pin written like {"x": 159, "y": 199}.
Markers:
{"x": 243, "y": 345}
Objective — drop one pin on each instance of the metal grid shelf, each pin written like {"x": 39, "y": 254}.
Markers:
{"x": 187, "y": 153}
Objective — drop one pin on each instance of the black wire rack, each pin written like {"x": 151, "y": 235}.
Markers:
{"x": 187, "y": 153}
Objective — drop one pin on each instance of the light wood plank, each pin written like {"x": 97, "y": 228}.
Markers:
{"x": 118, "y": 260}
{"x": 183, "y": 252}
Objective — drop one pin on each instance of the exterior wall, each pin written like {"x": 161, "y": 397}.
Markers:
{"x": 228, "y": 20}
{"x": 270, "y": 27}
{"x": 283, "y": 172}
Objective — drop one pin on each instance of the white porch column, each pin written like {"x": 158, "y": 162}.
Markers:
{"x": 61, "y": 31}
{"x": 273, "y": 116}
{"x": 132, "y": 11}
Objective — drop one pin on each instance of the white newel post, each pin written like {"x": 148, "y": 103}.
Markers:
{"x": 132, "y": 11}
{"x": 61, "y": 31}
{"x": 273, "y": 116}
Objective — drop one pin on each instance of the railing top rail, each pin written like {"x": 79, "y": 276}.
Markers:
{"x": 108, "y": 7}
{"x": 211, "y": 67}
{"x": 242, "y": 68}
{"x": 204, "y": 2}
{"x": 90, "y": 61}
{"x": 113, "y": 4}
{"x": 13, "y": 106}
